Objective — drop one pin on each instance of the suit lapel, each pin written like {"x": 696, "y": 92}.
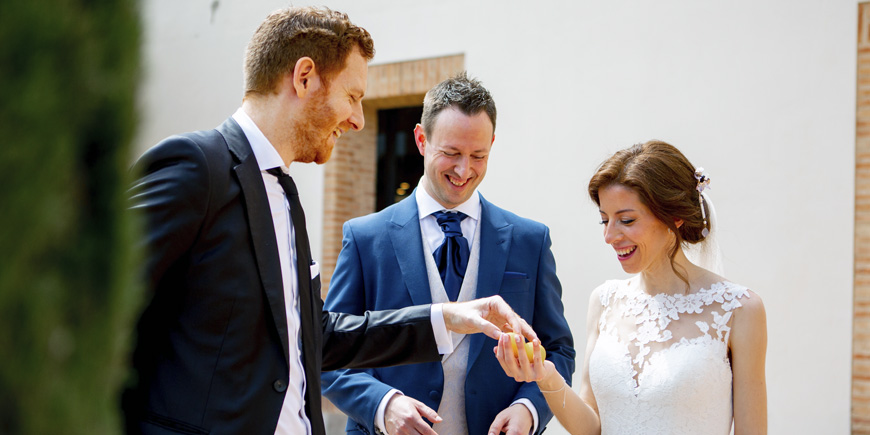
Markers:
{"x": 407, "y": 240}
{"x": 495, "y": 244}
{"x": 259, "y": 223}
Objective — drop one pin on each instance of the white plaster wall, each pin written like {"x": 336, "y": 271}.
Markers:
{"x": 761, "y": 94}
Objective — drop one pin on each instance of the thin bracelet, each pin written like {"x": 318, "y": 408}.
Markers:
{"x": 564, "y": 394}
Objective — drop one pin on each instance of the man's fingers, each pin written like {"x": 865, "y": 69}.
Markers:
{"x": 404, "y": 415}
{"x": 526, "y": 330}
{"x": 482, "y": 315}
{"x": 498, "y": 424}
{"x": 427, "y": 412}
{"x": 424, "y": 428}
{"x": 488, "y": 329}
{"x": 517, "y": 324}
{"x": 472, "y": 317}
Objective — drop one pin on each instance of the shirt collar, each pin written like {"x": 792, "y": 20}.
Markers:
{"x": 426, "y": 205}
{"x": 266, "y": 154}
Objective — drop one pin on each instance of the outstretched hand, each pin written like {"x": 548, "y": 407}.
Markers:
{"x": 482, "y": 315}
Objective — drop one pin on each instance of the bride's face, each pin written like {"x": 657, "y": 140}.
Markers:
{"x": 641, "y": 240}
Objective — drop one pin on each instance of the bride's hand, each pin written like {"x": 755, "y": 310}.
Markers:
{"x": 520, "y": 368}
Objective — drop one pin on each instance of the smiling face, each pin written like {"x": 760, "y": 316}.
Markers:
{"x": 455, "y": 155}
{"x": 332, "y": 110}
{"x": 641, "y": 241}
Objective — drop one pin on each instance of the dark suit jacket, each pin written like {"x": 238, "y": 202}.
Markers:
{"x": 211, "y": 352}
{"x": 382, "y": 266}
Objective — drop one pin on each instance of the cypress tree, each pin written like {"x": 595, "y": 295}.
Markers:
{"x": 68, "y": 292}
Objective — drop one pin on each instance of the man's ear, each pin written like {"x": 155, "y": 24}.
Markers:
{"x": 305, "y": 76}
{"x": 420, "y": 139}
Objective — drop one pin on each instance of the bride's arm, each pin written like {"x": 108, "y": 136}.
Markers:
{"x": 578, "y": 414}
{"x": 748, "y": 343}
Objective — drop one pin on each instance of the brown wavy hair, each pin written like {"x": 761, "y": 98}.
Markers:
{"x": 664, "y": 180}
{"x": 286, "y": 35}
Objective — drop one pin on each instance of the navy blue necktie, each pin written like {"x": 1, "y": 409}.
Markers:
{"x": 452, "y": 256}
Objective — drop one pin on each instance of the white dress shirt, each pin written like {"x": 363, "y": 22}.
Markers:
{"x": 292, "y": 420}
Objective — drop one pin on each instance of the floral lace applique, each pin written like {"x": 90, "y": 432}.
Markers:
{"x": 652, "y": 316}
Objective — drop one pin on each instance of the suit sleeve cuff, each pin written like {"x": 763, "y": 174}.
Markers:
{"x": 439, "y": 328}
{"x": 528, "y": 403}
{"x": 380, "y": 421}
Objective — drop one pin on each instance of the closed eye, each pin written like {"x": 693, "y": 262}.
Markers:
{"x": 622, "y": 221}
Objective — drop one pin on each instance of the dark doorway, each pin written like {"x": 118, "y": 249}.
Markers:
{"x": 400, "y": 165}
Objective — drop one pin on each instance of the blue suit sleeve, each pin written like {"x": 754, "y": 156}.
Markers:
{"x": 355, "y": 392}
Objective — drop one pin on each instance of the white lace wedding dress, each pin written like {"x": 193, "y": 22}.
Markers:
{"x": 660, "y": 364}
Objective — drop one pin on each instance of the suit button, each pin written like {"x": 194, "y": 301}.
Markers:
{"x": 434, "y": 395}
{"x": 279, "y": 386}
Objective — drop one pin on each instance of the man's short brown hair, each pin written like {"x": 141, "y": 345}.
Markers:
{"x": 461, "y": 92}
{"x": 286, "y": 35}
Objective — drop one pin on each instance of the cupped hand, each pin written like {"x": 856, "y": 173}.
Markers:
{"x": 521, "y": 369}
{"x": 404, "y": 415}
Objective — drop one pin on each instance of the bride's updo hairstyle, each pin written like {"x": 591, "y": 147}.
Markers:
{"x": 665, "y": 182}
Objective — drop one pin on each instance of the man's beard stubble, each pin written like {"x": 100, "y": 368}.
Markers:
{"x": 312, "y": 133}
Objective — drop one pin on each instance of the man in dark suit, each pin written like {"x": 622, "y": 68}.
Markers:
{"x": 234, "y": 335}
{"x": 395, "y": 258}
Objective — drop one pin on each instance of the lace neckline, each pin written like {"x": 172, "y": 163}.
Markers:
{"x": 643, "y": 322}
{"x": 724, "y": 292}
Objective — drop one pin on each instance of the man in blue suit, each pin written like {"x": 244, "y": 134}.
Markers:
{"x": 447, "y": 243}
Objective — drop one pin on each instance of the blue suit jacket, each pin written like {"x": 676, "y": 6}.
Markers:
{"x": 381, "y": 265}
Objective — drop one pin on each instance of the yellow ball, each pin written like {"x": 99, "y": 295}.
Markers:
{"x": 530, "y": 349}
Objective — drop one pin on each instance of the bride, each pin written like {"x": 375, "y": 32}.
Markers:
{"x": 676, "y": 348}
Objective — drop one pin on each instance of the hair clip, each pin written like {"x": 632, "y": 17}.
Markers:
{"x": 703, "y": 180}
{"x": 703, "y": 184}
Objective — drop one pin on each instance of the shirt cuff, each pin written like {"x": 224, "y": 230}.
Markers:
{"x": 380, "y": 422}
{"x": 442, "y": 336}
{"x": 532, "y": 409}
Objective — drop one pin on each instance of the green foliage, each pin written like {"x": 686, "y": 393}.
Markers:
{"x": 68, "y": 75}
